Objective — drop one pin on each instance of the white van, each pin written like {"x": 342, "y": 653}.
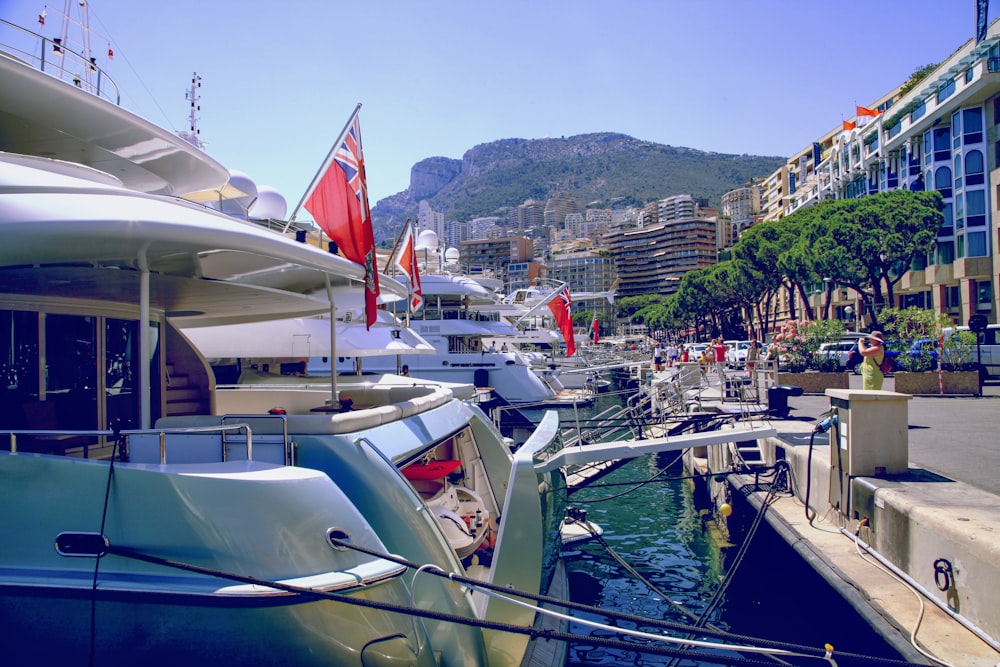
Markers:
{"x": 989, "y": 349}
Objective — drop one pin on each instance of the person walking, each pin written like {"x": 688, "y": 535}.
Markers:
{"x": 720, "y": 356}
{"x": 872, "y": 354}
{"x": 753, "y": 352}
{"x": 658, "y": 357}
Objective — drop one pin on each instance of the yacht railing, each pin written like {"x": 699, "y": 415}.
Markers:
{"x": 154, "y": 441}
{"x": 54, "y": 58}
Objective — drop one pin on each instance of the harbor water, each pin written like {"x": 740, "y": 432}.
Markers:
{"x": 658, "y": 529}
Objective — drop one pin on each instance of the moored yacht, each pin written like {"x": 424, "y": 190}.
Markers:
{"x": 472, "y": 345}
{"x": 154, "y": 515}
{"x": 150, "y": 513}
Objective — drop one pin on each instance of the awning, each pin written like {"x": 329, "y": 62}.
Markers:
{"x": 303, "y": 337}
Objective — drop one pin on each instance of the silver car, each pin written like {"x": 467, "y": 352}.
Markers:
{"x": 840, "y": 350}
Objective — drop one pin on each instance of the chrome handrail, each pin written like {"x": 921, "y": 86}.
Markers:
{"x": 289, "y": 455}
{"x": 222, "y": 428}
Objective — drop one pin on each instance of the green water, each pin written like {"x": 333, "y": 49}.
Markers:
{"x": 662, "y": 531}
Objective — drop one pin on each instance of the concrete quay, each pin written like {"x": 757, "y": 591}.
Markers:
{"x": 915, "y": 549}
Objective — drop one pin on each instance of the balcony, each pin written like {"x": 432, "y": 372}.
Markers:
{"x": 938, "y": 274}
{"x": 912, "y": 281}
{"x": 973, "y": 267}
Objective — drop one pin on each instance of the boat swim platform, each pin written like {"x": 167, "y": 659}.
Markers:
{"x": 933, "y": 526}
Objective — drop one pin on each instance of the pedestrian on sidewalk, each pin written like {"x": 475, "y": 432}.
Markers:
{"x": 753, "y": 352}
{"x": 872, "y": 354}
{"x": 720, "y": 356}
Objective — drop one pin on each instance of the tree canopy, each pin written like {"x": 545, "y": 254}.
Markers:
{"x": 866, "y": 244}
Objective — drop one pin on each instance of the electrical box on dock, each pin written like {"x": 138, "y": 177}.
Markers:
{"x": 870, "y": 438}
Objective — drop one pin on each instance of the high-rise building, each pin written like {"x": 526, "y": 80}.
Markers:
{"x": 586, "y": 271}
{"x": 529, "y": 214}
{"x": 742, "y": 207}
{"x": 652, "y": 260}
{"x": 558, "y": 207}
{"x": 940, "y": 133}
{"x": 493, "y": 255}
{"x": 428, "y": 218}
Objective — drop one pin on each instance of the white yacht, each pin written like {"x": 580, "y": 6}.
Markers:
{"x": 150, "y": 512}
{"x": 152, "y": 515}
{"x": 473, "y": 344}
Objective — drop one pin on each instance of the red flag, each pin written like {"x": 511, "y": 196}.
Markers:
{"x": 596, "y": 331}
{"x": 406, "y": 262}
{"x": 339, "y": 204}
{"x": 865, "y": 111}
{"x": 848, "y": 125}
{"x": 563, "y": 312}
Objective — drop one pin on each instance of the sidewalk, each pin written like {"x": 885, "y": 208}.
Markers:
{"x": 956, "y": 437}
{"x": 937, "y": 526}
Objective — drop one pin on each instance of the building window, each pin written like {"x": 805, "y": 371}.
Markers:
{"x": 970, "y": 74}
{"x": 974, "y": 168}
{"x": 972, "y": 122}
{"x": 946, "y": 252}
{"x": 918, "y": 111}
{"x": 942, "y": 144}
{"x": 947, "y": 227}
{"x": 946, "y": 91}
{"x": 959, "y": 211}
{"x": 977, "y": 244}
{"x": 942, "y": 181}
{"x": 984, "y": 293}
{"x": 975, "y": 201}
{"x": 952, "y": 297}
{"x": 958, "y": 172}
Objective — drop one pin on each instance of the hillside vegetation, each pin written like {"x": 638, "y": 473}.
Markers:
{"x": 601, "y": 170}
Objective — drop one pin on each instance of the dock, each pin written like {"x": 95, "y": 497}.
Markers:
{"x": 914, "y": 543}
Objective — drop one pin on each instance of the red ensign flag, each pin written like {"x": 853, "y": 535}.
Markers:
{"x": 406, "y": 262}
{"x": 563, "y": 312}
{"x": 339, "y": 204}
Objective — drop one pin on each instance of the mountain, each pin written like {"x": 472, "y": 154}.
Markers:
{"x": 599, "y": 169}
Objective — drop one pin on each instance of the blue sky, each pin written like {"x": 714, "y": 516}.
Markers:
{"x": 279, "y": 79}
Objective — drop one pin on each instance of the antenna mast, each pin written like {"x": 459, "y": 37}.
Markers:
{"x": 192, "y": 134}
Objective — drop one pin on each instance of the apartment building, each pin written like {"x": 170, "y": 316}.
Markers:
{"x": 653, "y": 259}
{"x": 590, "y": 271}
{"x": 494, "y": 255}
{"x": 942, "y": 134}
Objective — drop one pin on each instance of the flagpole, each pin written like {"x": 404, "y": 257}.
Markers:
{"x": 323, "y": 168}
{"x": 391, "y": 260}
{"x": 333, "y": 342}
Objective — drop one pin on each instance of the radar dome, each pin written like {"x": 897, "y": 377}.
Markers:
{"x": 238, "y": 205}
{"x": 427, "y": 240}
{"x": 452, "y": 255}
{"x": 269, "y": 205}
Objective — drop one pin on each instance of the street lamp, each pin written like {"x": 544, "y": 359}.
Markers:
{"x": 849, "y": 311}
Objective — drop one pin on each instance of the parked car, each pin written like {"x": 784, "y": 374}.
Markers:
{"x": 986, "y": 353}
{"x": 736, "y": 353}
{"x": 913, "y": 355}
{"x": 841, "y": 351}
{"x": 903, "y": 355}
